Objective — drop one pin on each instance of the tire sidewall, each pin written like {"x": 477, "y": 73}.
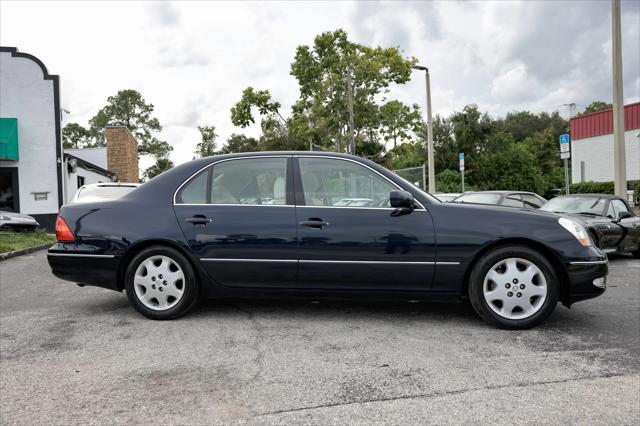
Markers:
{"x": 191, "y": 287}
{"x": 482, "y": 267}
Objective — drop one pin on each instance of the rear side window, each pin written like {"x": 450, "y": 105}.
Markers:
{"x": 531, "y": 201}
{"x": 512, "y": 200}
{"x": 250, "y": 181}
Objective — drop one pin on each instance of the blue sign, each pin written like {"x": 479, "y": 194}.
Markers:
{"x": 461, "y": 156}
{"x": 564, "y": 139}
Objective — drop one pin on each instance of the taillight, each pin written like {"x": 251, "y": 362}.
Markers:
{"x": 63, "y": 233}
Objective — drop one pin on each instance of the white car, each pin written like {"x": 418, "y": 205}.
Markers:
{"x": 10, "y": 221}
{"x": 102, "y": 191}
{"x": 447, "y": 197}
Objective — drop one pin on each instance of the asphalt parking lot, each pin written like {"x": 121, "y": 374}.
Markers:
{"x": 72, "y": 355}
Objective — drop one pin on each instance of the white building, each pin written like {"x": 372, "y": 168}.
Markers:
{"x": 34, "y": 173}
{"x": 592, "y": 145}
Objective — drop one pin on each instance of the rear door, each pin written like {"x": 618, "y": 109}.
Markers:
{"x": 629, "y": 227}
{"x": 350, "y": 238}
{"x": 239, "y": 220}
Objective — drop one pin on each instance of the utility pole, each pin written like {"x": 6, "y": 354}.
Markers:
{"x": 619, "y": 158}
{"x": 352, "y": 142}
{"x": 432, "y": 172}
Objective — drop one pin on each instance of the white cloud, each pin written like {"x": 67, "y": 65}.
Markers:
{"x": 193, "y": 59}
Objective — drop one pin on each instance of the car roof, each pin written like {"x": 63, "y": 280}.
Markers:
{"x": 501, "y": 192}
{"x": 111, "y": 184}
{"x": 607, "y": 196}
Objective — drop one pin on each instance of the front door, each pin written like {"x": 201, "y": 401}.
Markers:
{"x": 349, "y": 237}
{"x": 239, "y": 220}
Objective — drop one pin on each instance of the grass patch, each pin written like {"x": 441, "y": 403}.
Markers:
{"x": 10, "y": 241}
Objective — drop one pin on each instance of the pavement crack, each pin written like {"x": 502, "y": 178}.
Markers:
{"x": 441, "y": 393}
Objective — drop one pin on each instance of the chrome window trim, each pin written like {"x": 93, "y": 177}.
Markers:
{"x": 222, "y": 161}
{"x": 360, "y": 164}
{"x": 590, "y": 262}
{"x": 103, "y": 256}
{"x": 216, "y": 259}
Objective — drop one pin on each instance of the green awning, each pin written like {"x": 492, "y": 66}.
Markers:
{"x": 9, "y": 139}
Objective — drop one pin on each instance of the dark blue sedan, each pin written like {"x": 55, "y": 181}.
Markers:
{"x": 308, "y": 224}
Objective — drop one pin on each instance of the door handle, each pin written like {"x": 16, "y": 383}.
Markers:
{"x": 314, "y": 223}
{"x": 198, "y": 220}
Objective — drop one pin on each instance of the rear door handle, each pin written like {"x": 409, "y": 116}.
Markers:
{"x": 314, "y": 223}
{"x": 198, "y": 220}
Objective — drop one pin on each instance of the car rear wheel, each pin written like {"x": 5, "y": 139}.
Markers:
{"x": 513, "y": 287}
{"x": 161, "y": 284}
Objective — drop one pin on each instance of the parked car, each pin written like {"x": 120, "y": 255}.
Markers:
{"x": 102, "y": 191}
{"x": 527, "y": 200}
{"x": 611, "y": 223}
{"x": 201, "y": 229}
{"x": 447, "y": 197}
{"x": 10, "y": 221}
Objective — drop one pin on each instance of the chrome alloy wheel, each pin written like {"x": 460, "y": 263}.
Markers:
{"x": 159, "y": 283}
{"x": 515, "y": 288}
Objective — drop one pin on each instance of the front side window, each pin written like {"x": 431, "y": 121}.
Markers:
{"x": 340, "y": 183}
{"x": 250, "y": 181}
{"x": 618, "y": 206}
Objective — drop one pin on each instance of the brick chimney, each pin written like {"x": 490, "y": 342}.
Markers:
{"x": 122, "y": 153}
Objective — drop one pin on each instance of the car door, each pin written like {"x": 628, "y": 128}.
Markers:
{"x": 349, "y": 237}
{"x": 629, "y": 227}
{"x": 238, "y": 219}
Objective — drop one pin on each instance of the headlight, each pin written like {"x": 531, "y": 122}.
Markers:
{"x": 576, "y": 230}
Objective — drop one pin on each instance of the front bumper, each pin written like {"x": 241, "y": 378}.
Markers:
{"x": 100, "y": 270}
{"x": 587, "y": 279}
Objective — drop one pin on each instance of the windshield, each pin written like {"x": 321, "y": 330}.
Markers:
{"x": 580, "y": 205}
{"x": 103, "y": 192}
{"x": 479, "y": 198}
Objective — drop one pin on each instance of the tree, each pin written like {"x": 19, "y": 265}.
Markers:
{"x": 596, "y": 106}
{"x": 241, "y": 112}
{"x": 449, "y": 181}
{"x": 161, "y": 165}
{"x": 322, "y": 70}
{"x": 128, "y": 108}
{"x": 398, "y": 121}
{"x": 239, "y": 143}
{"x": 75, "y": 136}
{"x": 207, "y": 146}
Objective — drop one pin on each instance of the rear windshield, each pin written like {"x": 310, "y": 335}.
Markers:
{"x": 479, "y": 198}
{"x": 104, "y": 192}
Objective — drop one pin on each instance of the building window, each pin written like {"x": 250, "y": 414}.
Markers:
{"x": 40, "y": 196}
{"x": 80, "y": 181}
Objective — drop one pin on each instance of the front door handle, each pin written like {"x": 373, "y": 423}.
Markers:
{"x": 314, "y": 223}
{"x": 198, "y": 220}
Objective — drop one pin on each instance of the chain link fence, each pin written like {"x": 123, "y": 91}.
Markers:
{"x": 415, "y": 175}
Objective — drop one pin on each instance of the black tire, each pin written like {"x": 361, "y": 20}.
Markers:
{"x": 191, "y": 288}
{"x": 486, "y": 262}
{"x": 636, "y": 254}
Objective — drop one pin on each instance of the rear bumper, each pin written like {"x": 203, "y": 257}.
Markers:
{"x": 98, "y": 270}
{"x": 587, "y": 279}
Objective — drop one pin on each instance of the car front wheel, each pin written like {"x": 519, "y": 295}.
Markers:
{"x": 161, "y": 284}
{"x": 513, "y": 287}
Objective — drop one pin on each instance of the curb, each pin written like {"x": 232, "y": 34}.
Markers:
{"x": 9, "y": 255}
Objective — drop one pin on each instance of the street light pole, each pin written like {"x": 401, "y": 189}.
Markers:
{"x": 619, "y": 159}
{"x": 432, "y": 172}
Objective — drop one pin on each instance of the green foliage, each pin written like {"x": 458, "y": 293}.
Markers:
{"x": 397, "y": 121}
{"x": 450, "y": 181}
{"x": 592, "y": 188}
{"x": 161, "y": 165}
{"x": 512, "y": 167}
{"x": 207, "y": 146}
{"x": 241, "y": 113}
{"x": 405, "y": 155}
{"x": 128, "y": 108}
{"x": 636, "y": 189}
{"x": 75, "y": 136}
{"x": 596, "y": 106}
{"x": 239, "y": 143}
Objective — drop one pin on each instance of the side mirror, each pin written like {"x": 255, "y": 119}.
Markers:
{"x": 623, "y": 215}
{"x": 401, "y": 199}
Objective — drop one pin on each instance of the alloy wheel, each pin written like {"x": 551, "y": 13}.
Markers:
{"x": 515, "y": 288}
{"x": 159, "y": 283}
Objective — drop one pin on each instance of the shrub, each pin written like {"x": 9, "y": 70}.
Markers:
{"x": 592, "y": 188}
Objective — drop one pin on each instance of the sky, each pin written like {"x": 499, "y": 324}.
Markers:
{"x": 192, "y": 60}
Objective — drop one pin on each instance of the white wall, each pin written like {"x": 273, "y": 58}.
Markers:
{"x": 89, "y": 177}
{"x": 27, "y": 96}
{"x": 597, "y": 153}
{"x": 97, "y": 156}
